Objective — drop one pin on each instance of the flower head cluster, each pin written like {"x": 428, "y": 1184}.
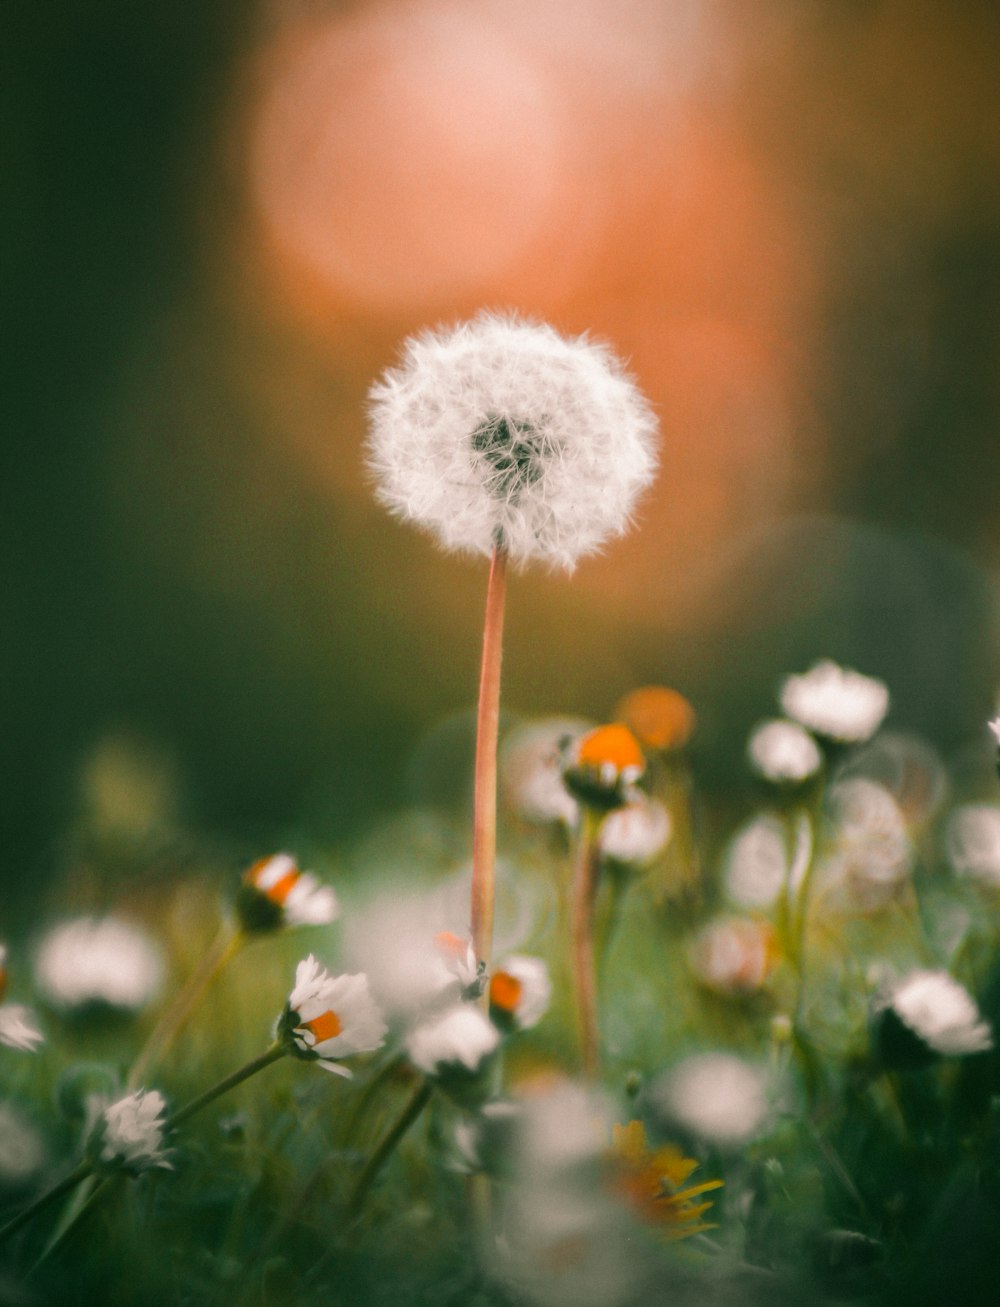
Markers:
{"x": 520, "y": 992}
{"x": 833, "y": 702}
{"x": 129, "y": 1134}
{"x": 935, "y": 1014}
{"x": 328, "y": 1017}
{"x": 500, "y": 430}
{"x": 99, "y": 960}
{"x": 602, "y": 767}
{"x": 276, "y": 893}
{"x": 653, "y": 1182}
{"x": 17, "y": 1029}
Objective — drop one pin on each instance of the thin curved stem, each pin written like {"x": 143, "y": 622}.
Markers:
{"x": 64, "y": 1186}
{"x": 484, "y": 828}
{"x": 223, "y": 1086}
{"x": 585, "y": 878}
{"x": 418, "y": 1101}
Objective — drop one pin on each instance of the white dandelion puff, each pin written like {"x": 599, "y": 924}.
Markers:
{"x": 501, "y": 431}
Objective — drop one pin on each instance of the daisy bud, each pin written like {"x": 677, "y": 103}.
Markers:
{"x": 454, "y": 1048}
{"x": 501, "y": 431}
{"x": 520, "y": 993}
{"x": 602, "y": 767}
{"x": 330, "y": 1017}
{"x": 128, "y": 1135}
{"x": 275, "y": 893}
{"x": 661, "y": 719}
{"x": 839, "y": 705}
{"x": 927, "y": 1015}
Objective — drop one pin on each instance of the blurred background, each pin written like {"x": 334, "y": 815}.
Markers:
{"x": 222, "y": 218}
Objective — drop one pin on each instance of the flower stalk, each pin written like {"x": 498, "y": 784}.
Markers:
{"x": 584, "y": 891}
{"x": 416, "y": 1104}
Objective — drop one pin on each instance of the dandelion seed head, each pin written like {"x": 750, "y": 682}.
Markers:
{"x": 835, "y": 702}
{"x": 871, "y": 855}
{"x": 500, "y": 429}
{"x": 99, "y": 960}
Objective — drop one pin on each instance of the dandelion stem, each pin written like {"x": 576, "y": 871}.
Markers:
{"x": 276, "y": 1051}
{"x": 224, "y": 947}
{"x": 585, "y": 877}
{"x": 63, "y": 1187}
{"x": 418, "y": 1101}
{"x": 484, "y": 829}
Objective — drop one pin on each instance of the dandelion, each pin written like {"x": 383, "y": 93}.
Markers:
{"x": 17, "y": 1028}
{"x": 98, "y": 960}
{"x": 783, "y": 753}
{"x": 973, "y": 842}
{"x": 653, "y": 1182}
{"x": 928, "y": 1013}
{"x": 835, "y": 703}
{"x": 276, "y": 893}
{"x": 520, "y": 992}
{"x": 129, "y": 1134}
{"x": 506, "y": 440}
{"x": 500, "y": 430}
{"x": 719, "y": 1097}
{"x": 328, "y": 1018}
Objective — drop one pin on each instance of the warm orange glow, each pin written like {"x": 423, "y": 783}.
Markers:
{"x": 325, "y": 1026}
{"x": 614, "y": 745}
{"x": 451, "y": 945}
{"x": 659, "y": 717}
{"x": 280, "y": 890}
{"x": 505, "y": 991}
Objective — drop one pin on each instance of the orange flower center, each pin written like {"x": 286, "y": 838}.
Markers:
{"x": 282, "y": 887}
{"x": 325, "y": 1026}
{"x": 505, "y": 991}
{"x": 661, "y": 718}
{"x": 614, "y": 744}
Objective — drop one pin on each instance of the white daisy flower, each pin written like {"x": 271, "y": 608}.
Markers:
{"x": 637, "y": 832}
{"x": 330, "y": 1017}
{"x": 530, "y": 767}
{"x": 836, "y": 703}
{"x": 459, "y": 1038}
{"x": 458, "y": 958}
{"x": 973, "y": 842}
{"x": 99, "y": 960}
{"x": 718, "y": 1096}
{"x": 17, "y": 1029}
{"x": 276, "y": 893}
{"x": 129, "y": 1134}
{"x": 500, "y": 430}
{"x": 940, "y": 1012}
{"x": 520, "y": 991}
{"x": 783, "y": 752}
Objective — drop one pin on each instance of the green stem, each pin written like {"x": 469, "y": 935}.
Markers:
{"x": 57, "y": 1191}
{"x": 378, "y": 1159}
{"x": 224, "y": 947}
{"x": 275, "y": 1052}
{"x": 585, "y": 879}
{"x": 484, "y": 825}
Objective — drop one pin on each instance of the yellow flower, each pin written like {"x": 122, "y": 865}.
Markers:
{"x": 653, "y": 1182}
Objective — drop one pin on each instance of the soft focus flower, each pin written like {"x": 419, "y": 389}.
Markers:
{"x": 459, "y": 959}
{"x": 653, "y": 1182}
{"x": 717, "y": 1096}
{"x": 661, "y": 719}
{"x": 836, "y": 703}
{"x": 939, "y": 1011}
{"x": 973, "y": 842}
{"x": 128, "y": 1135}
{"x": 17, "y": 1029}
{"x": 783, "y": 752}
{"x": 21, "y": 1150}
{"x": 459, "y": 1038}
{"x": 602, "y": 767}
{"x": 501, "y": 430}
{"x": 908, "y": 767}
{"x": 871, "y": 855}
{"x": 520, "y": 992}
{"x": 99, "y": 960}
{"x": 756, "y": 863}
{"x": 734, "y": 955}
{"x": 530, "y": 767}
{"x": 276, "y": 893}
{"x": 330, "y": 1017}
{"x": 637, "y": 832}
